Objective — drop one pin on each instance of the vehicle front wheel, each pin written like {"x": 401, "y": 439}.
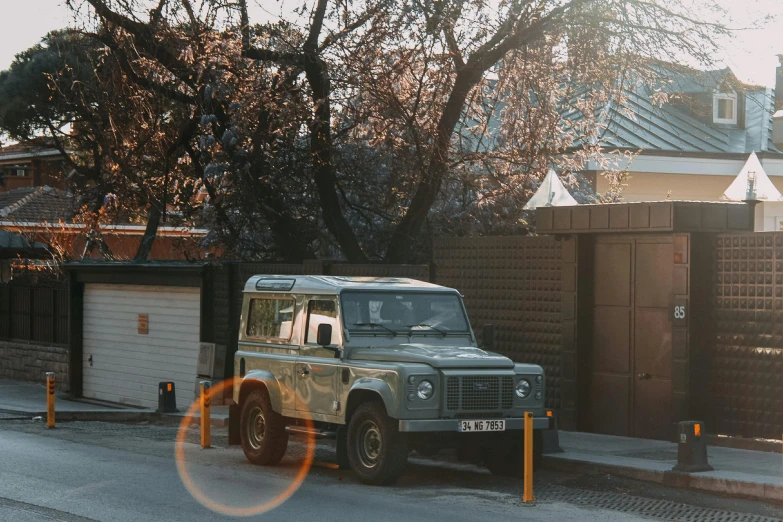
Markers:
{"x": 264, "y": 438}
{"x": 377, "y": 451}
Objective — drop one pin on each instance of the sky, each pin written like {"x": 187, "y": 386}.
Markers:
{"x": 751, "y": 55}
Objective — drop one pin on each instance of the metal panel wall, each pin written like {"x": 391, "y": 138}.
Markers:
{"x": 745, "y": 360}
{"x": 515, "y": 284}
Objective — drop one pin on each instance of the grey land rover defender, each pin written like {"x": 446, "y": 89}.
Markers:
{"x": 385, "y": 366}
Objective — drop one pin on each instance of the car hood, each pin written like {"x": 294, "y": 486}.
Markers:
{"x": 435, "y": 356}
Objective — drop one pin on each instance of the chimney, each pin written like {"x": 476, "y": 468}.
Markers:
{"x": 779, "y": 85}
{"x": 777, "y": 118}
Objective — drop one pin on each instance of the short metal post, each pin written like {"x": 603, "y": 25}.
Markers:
{"x": 527, "y": 496}
{"x": 50, "y": 399}
{"x": 205, "y": 403}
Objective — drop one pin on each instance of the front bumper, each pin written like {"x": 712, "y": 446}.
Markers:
{"x": 450, "y": 425}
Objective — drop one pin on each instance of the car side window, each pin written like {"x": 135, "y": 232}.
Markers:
{"x": 271, "y": 318}
{"x": 320, "y": 311}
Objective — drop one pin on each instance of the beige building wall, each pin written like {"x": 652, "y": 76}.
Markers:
{"x": 645, "y": 186}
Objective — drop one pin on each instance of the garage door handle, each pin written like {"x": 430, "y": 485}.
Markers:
{"x": 643, "y": 376}
{"x": 303, "y": 372}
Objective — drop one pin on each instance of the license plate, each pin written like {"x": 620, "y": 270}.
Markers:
{"x": 481, "y": 425}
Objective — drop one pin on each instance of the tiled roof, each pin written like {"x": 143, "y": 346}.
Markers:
{"x": 36, "y": 205}
{"x": 14, "y": 196}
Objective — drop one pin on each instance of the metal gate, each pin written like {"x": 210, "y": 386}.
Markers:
{"x": 631, "y": 370}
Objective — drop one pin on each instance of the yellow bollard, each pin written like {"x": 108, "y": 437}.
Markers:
{"x": 50, "y": 399}
{"x": 527, "y": 496}
{"x": 205, "y": 403}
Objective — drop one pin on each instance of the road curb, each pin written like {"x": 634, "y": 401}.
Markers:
{"x": 697, "y": 482}
{"x": 116, "y": 416}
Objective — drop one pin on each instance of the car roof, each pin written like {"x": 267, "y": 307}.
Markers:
{"x": 310, "y": 284}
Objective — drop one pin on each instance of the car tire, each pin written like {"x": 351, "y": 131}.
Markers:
{"x": 507, "y": 458}
{"x": 262, "y": 430}
{"x": 377, "y": 451}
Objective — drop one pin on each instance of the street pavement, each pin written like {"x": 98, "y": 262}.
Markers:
{"x": 88, "y": 471}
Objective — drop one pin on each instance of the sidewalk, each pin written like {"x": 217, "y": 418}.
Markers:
{"x": 26, "y": 400}
{"x": 745, "y": 473}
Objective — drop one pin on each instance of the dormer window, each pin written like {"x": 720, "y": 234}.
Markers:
{"x": 724, "y": 107}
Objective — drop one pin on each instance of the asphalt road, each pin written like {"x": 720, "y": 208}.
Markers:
{"x": 82, "y": 472}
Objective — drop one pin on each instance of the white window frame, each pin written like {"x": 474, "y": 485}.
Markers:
{"x": 716, "y": 97}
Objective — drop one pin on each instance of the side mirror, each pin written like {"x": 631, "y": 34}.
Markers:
{"x": 488, "y": 337}
{"x": 324, "y": 336}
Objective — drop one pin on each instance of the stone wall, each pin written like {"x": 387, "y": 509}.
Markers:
{"x": 29, "y": 362}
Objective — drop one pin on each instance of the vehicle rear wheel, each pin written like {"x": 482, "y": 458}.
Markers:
{"x": 377, "y": 451}
{"x": 264, "y": 438}
{"x": 507, "y": 458}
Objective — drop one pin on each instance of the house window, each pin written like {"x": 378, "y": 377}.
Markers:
{"x": 20, "y": 172}
{"x": 270, "y": 319}
{"x": 724, "y": 107}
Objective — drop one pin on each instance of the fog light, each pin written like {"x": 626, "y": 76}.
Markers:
{"x": 411, "y": 396}
{"x": 411, "y": 379}
{"x": 539, "y": 378}
{"x": 539, "y": 395}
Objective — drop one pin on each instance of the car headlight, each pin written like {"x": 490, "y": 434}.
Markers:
{"x": 425, "y": 390}
{"x": 523, "y": 388}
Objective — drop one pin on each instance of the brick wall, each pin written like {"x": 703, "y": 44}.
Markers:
{"x": 30, "y": 362}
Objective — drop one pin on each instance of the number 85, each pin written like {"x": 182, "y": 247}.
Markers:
{"x": 679, "y": 312}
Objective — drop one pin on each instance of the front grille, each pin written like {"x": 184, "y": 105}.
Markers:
{"x": 479, "y": 393}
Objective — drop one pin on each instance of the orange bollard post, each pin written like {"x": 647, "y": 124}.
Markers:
{"x": 50, "y": 399}
{"x": 527, "y": 495}
{"x": 205, "y": 425}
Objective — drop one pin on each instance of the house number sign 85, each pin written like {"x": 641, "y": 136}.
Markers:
{"x": 679, "y": 312}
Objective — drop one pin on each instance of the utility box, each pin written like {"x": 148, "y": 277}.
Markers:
{"x": 167, "y": 398}
{"x": 691, "y": 448}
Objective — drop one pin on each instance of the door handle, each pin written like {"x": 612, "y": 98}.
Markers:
{"x": 303, "y": 372}
{"x": 643, "y": 376}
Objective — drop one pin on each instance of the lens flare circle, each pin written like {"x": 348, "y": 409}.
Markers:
{"x": 223, "y": 509}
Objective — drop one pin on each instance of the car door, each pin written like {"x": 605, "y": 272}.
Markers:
{"x": 317, "y": 368}
{"x": 271, "y": 340}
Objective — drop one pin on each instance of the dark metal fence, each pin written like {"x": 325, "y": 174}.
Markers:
{"x": 513, "y": 283}
{"x": 34, "y": 312}
{"x": 744, "y": 361}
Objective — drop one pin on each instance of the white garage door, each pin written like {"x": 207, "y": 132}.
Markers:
{"x": 126, "y": 365}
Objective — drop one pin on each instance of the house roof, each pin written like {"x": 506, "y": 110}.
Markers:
{"x": 638, "y": 123}
{"x": 37, "y": 148}
{"x": 13, "y": 245}
{"x": 37, "y": 205}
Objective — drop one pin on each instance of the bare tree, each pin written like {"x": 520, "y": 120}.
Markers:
{"x": 463, "y": 104}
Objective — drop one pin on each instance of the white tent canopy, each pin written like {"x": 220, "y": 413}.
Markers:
{"x": 551, "y": 193}
{"x": 764, "y": 188}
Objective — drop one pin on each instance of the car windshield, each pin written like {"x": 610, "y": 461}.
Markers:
{"x": 410, "y": 312}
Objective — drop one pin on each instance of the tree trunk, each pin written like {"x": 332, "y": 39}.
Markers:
{"x": 407, "y": 230}
{"x": 150, "y": 233}
{"x": 321, "y": 150}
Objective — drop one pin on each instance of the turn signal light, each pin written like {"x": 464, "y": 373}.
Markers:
{"x": 548, "y": 413}
{"x": 697, "y": 430}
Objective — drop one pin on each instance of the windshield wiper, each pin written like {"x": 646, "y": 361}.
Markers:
{"x": 444, "y": 333}
{"x": 373, "y": 325}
